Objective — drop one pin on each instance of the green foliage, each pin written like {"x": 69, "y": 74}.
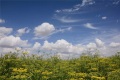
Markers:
{"x": 24, "y": 67}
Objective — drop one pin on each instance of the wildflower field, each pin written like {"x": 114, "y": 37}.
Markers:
{"x": 24, "y": 67}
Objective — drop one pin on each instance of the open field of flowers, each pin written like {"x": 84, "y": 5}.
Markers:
{"x": 24, "y": 67}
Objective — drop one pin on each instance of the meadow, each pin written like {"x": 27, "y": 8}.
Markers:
{"x": 34, "y": 67}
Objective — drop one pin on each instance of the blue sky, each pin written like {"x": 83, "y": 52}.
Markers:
{"x": 88, "y": 24}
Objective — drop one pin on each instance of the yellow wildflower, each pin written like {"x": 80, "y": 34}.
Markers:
{"x": 71, "y": 73}
{"x": 46, "y": 73}
{"x": 21, "y": 70}
{"x": 81, "y": 75}
{"x": 37, "y": 71}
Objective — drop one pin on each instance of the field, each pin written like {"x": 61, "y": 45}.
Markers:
{"x": 24, "y": 67}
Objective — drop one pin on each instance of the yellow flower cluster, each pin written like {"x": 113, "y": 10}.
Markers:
{"x": 93, "y": 69}
{"x": 46, "y": 73}
{"x": 74, "y": 74}
{"x": 115, "y": 71}
{"x": 71, "y": 73}
{"x": 81, "y": 75}
{"x": 77, "y": 79}
{"x": 21, "y": 70}
{"x": 104, "y": 60}
{"x": 37, "y": 71}
{"x": 98, "y": 78}
{"x": 19, "y": 77}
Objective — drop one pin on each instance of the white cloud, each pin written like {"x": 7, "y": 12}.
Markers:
{"x": 66, "y": 19}
{"x": 4, "y": 50}
{"x": 91, "y": 46}
{"x": 11, "y": 41}
{"x": 61, "y": 47}
{"x": 69, "y": 10}
{"x": 90, "y": 26}
{"x": 22, "y": 31}
{"x": 76, "y": 7}
{"x": 7, "y": 50}
{"x": 63, "y": 30}
{"x": 87, "y": 2}
{"x": 104, "y": 17}
{"x": 99, "y": 43}
{"x": 2, "y": 21}
{"x": 37, "y": 46}
{"x": 65, "y": 48}
{"x": 44, "y": 30}
{"x": 5, "y": 31}
{"x": 114, "y": 44}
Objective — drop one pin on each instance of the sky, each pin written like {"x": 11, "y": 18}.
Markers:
{"x": 67, "y": 28}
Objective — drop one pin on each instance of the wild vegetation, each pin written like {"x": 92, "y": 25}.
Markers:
{"x": 24, "y": 67}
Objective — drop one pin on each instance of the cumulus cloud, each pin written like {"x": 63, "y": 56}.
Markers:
{"x": 99, "y": 43}
{"x": 5, "y": 31}
{"x": 2, "y": 21}
{"x": 22, "y": 31}
{"x": 104, "y": 17}
{"x": 11, "y": 42}
{"x": 90, "y": 26}
{"x": 37, "y": 46}
{"x": 62, "y": 46}
{"x": 43, "y": 30}
{"x": 91, "y": 46}
{"x": 59, "y": 44}
{"x": 67, "y": 50}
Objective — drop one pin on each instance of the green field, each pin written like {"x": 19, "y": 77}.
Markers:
{"x": 24, "y": 67}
